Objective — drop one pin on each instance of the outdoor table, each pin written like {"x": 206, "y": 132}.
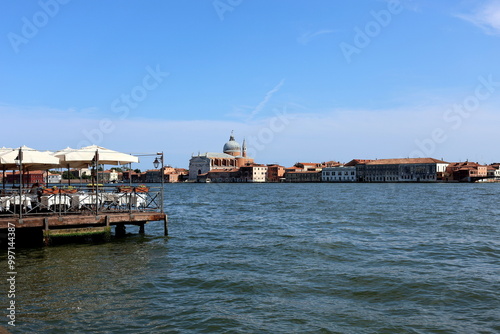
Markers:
{"x": 21, "y": 200}
{"x": 48, "y": 201}
{"x": 125, "y": 200}
{"x": 80, "y": 200}
{"x": 4, "y": 203}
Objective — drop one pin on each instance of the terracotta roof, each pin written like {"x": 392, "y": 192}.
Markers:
{"x": 31, "y": 172}
{"x": 305, "y": 172}
{"x": 355, "y": 162}
{"x": 308, "y": 164}
{"x": 465, "y": 163}
{"x": 331, "y": 162}
{"x": 406, "y": 161}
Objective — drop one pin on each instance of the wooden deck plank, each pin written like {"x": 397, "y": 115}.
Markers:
{"x": 78, "y": 220}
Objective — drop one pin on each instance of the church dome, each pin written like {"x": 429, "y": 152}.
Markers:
{"x": 232, "y": 146}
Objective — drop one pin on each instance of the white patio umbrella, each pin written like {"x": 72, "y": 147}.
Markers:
{"x": 29, "y": 158}
{"x": 91, "y": 154}
{"x": 4, "y": 167}
{"x": 25, "y": 158}
{"x": 64, "y": 162}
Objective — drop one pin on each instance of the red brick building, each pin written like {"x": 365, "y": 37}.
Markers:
{"x": 275, "y": 173}
{"x": 29, "y": 178}
{"x": 465, "y": 172}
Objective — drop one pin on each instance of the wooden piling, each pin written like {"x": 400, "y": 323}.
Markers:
{"x": 46, "y": 232}
{"x": 120, "y": 230}
{"x": 165, "y": 225}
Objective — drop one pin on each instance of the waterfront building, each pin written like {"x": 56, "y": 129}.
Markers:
{"x": 174, "y": 175}
{"x": 331, "y": 163}
{"x": 360, "y": 165}
{"x": 465, "y": 172}
{"x": 303, "y": 176}
{"x": 253, "y": 173}
{"x": 495, "y": 171}
{"x": 29, "y": 178}
{"x": 170, "y": 175}
{"x": 134, "y": 177}
{"x": 107, "y": 176}
{"x": 309, "y": 166}
{"x": 339, "y": 174}
{"x": 53, "y": 177}
{"x": 221, "y": 176}
{"x": 293, "y": 169}
{"x": 153, "y": 176}
{"x": 275, "y": 173}
{"x": 401, "y": 170}
{"x": 233, "y": 156}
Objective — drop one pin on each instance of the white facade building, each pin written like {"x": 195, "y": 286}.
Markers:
{"x": 54, "y": 178}
{"x": 234, "y": 156}
{"x": 339, "y": 174}
{"x": 202, "y": 164}
{"x": 253, "y": 173}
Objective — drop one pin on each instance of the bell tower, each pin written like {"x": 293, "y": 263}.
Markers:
{"x": 244, "y": 149}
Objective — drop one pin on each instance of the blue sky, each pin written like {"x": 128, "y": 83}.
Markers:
{"x": 300, "y": 80}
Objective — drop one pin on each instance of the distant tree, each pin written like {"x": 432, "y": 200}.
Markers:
{"x": 67, "y": 175}
{"x": 117, "y": 169}
{"x": 137, "y": 170}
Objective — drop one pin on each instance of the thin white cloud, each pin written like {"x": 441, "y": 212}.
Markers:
{"x": 306, "y": 37}
{"x": 266, "y": 99}
{"x": 304, "y": 136}
{"x": 486, "y": 17}
{"x": 249, "y": 112}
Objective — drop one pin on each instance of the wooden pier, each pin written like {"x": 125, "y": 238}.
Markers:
{"x": 74, "y": 224}
{"x": 81, "y": 211}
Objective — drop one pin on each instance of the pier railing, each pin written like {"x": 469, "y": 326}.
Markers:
{"x": 79, "y": 200}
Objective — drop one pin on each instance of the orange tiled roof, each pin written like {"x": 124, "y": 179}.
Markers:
{"x": 405, "y": 161}
{"x": 305, "y": 171}
{"x": 308, "y": 164}
{"x": 355, "y": 162}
